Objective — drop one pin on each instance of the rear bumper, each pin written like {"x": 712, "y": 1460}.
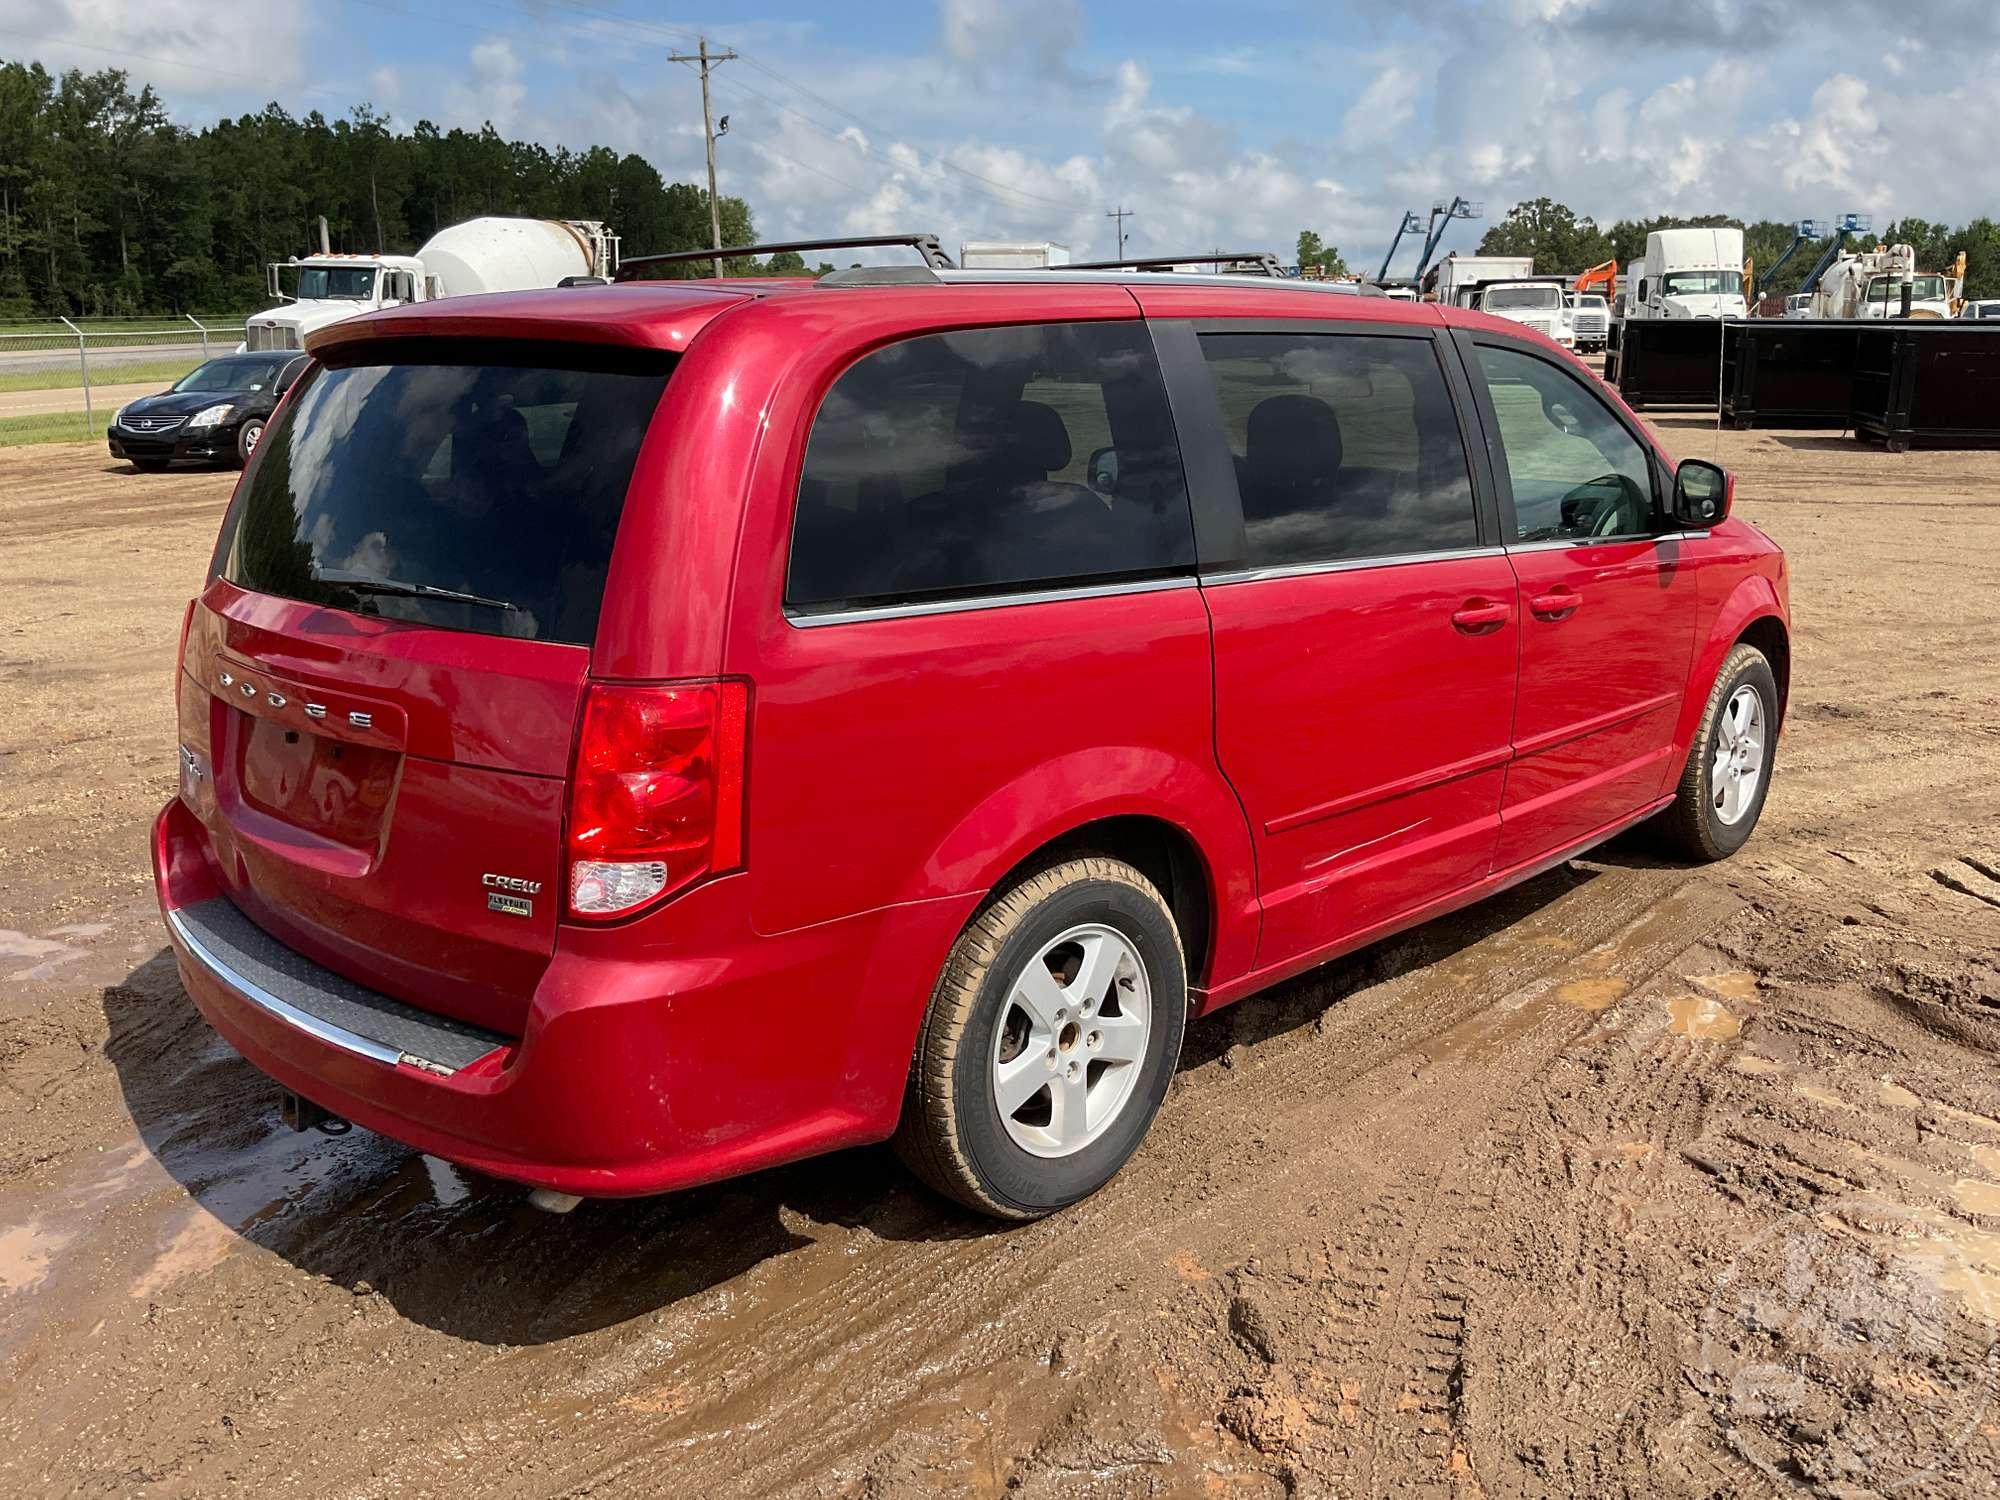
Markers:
{"x": 671, "y": 1051}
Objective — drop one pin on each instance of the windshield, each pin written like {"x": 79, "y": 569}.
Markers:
{"x": 231, "y": 375}
{"x": 1922, "y": 289}
{"x": 1591, "y": 304}
{"x": 355, "y": 283}
{"x": 1702, "y": 284}
{"x": 383, "y": 485}
{"x": 1501, "y": 298}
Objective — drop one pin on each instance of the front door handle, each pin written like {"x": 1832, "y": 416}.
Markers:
{"x": 1556, "y": 604}
{"x": 1479, "y": 616}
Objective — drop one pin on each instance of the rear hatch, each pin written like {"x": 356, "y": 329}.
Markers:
{"x": 383, "y": 680}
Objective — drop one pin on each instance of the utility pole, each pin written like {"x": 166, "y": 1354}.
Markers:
{"x": 708, "y": 61}
{"x": 1121, "y": 214}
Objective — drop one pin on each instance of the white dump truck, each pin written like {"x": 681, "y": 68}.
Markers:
{"x": 1688, "y": 273}
{"x": 480, "y": 255}
{"x": 1452, "y": 279}
{"x": 1535, "y": 302}
{"x": 1011, "y": 255}
{"x": 1871, "y": 285}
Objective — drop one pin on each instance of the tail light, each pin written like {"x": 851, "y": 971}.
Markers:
{"x": 657, "y": 800}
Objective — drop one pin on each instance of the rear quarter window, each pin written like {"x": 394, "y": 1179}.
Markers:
{"x": 464, "y": 487}
{"x": 990, "y": 461}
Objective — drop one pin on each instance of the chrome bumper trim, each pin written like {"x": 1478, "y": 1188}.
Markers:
{"x": 270, "y": 1004}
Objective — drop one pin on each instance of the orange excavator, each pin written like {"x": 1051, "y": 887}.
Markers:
{"x": 1604, "y": 276}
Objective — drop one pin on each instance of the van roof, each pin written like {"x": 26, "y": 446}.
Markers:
{"x": 668, "y": 314}
{"x": 646, "y": 314}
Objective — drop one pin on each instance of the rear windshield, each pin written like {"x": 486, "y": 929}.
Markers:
{"x": 467, "y": 493}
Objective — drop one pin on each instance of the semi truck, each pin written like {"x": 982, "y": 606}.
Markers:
{"x": 1688, "y": 273}
{"x": 480, "y": 255}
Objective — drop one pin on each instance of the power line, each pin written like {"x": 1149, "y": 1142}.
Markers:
{"x": 709, "y": 61}
{"x": 260, "y": 79}
{"x": 1121, "y": 214}
{"x": 616, "y": 21}
{"x": 597, "y": 23}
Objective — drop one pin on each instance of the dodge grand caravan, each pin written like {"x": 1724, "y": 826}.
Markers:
{"x": 632, "y": 735}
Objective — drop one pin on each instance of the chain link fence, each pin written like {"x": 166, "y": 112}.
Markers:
{"x": 61, "y": 382}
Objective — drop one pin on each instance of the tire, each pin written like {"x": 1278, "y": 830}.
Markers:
{"x": 247, "y": 438}
{"x": 1696, "y": 826}
{"x": 1072, "y": 918}
{"x": 147, "y": 465}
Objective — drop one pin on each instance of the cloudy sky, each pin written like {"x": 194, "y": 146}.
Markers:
{"x": 1222, "y": 123}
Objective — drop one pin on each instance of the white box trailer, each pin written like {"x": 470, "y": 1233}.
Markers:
{"x": 1450, "y": 281}
{"x": 1011, "y": 255}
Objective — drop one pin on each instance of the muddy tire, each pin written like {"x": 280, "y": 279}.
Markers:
{"x": 1728, "y": 772}
{"x": 1050, "y": 1040}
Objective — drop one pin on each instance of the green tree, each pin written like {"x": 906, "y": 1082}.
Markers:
{"x": 1980, "y": 240}
{"x": 108, "y": 206}
{"x": 1315, "y": 252}
{"x": 1562, "y": 242}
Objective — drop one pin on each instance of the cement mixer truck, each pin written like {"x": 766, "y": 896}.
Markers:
{"x": 1873, "y": 283}
{"x": 480, "y": 255}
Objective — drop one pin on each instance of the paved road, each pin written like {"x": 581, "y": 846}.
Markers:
{"x": 103, "y": 398}
{"x": 15, "y": 359}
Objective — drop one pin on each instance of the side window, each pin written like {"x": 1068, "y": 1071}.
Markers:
{"x": 1346, "y": 446}
{"x": 1576, "y": 471}
{"x": 991, "y": 461}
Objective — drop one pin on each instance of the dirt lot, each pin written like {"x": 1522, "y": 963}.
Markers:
{"x": 1641, "y": 1179}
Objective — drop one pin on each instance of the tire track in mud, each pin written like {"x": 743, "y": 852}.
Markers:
{"x": 807, "y": 1364}
{"x": 1400, "y": 1355}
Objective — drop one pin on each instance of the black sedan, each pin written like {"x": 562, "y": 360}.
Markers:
{"x": 216, "y": 412}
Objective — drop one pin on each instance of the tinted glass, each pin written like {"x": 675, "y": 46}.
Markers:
{"x": 1575, "y": 469}
{"x": 988, "y": 461}
{"x": 1702, "y": 283}
{"x": 383, "y": 485}
{"x": 336, "y": 281}
{"x": 1514, "y": 298}
{"x": 238, "y": 374}
{"x": 1346, "y": 446}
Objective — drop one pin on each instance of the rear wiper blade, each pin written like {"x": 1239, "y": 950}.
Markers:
{"x": 369, "y": 584}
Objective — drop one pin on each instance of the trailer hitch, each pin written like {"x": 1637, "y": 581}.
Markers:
{"x": 303, "y": 1114}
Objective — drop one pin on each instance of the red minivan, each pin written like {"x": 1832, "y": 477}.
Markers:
{"x": 636, "y": 734}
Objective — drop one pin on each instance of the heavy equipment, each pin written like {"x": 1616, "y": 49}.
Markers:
{"x": 480, "y": 255}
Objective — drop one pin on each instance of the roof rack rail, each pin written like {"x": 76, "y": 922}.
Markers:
{"x": 1265, "y": 262}
{"x": 926, "y": 245}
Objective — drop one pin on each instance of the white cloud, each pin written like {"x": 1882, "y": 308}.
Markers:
{"x": 190, "y": 50}
{"x": 1194, "y": 186}
{"x": 498, "y": 84}
{"x": 1384, "y": 108}
{"x": 987, "y": 34}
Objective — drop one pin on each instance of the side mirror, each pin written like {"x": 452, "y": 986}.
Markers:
{"x": 1104, "y": 471}
{"x": 1703, "y": 493}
